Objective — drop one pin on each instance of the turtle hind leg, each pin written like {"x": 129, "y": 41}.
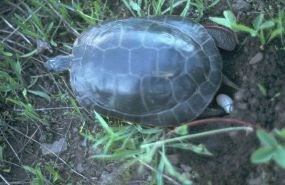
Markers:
{"x": 224, "y": 38}
{"x": 59, "y": 63}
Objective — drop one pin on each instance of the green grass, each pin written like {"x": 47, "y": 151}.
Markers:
{"x": 141, "y": 8}
{"x": 264, "y": 29}
{"x": 29, "y": 95}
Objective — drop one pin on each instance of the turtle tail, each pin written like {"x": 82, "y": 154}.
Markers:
{"x": 59, "y": 63}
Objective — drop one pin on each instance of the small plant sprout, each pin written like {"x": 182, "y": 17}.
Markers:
{"x": 273, "y": 148}
{"x": 225, "y": 102}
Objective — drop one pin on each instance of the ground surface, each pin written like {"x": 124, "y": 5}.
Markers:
{"x": 229, "y": 166}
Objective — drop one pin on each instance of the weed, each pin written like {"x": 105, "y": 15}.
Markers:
{"x": 125, "y": 143}
{"x": 162, "y": 7}
{"x": 273, "y": 148}
{"x": 39, "y": 178}
{"x": 265, "y": 30}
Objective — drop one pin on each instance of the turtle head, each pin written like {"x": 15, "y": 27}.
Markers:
{"x": 223, "y": 37}
{"x": 59, "y": 63}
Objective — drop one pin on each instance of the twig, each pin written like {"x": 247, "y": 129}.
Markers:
{"x": 15, "y": 153}
{"x": 16, "y": 29}
{"x": 4, "y": 179}
{"x": 75, "y": 32}
{"x": 47, "y": 109}
{"x": 12, "y": 27}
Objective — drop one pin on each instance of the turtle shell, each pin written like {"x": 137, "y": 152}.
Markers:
{"x": 156, "y": 71}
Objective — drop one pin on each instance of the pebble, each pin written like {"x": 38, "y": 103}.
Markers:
{"x": 241, "y": 5}
{"x": 239, "y": 95}
{"x": 257, "y": 58}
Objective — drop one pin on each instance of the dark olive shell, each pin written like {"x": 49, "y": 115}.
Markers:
{"x": 156, "y": 71}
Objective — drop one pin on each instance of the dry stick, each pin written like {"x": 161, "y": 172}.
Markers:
{"x": 48, "y": 109}
{"x": 219, "y": 120}
{"x": 4, "y": 179}
{"x": 62, "y": 18}
{"x": 16, "y": 29}
{"x": 11, "y": 147}
{"x": 12, "y": 27}
{"x": 32, "y": 136}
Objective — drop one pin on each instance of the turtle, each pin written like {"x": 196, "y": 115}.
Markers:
{"x": 159, "y": 70}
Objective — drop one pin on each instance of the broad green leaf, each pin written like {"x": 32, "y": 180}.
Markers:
{"x": 275, "y": 34}
{"x": 267, "y": 24}
{"x": 244, "y": 28}
{"x": 266, "y": 139}
{"x": 279, "y": 156}
{"x": 230, "y": 17}
{"x": 221, "y": 21}
{"x": 257, "y": 22}
{"x": 262, "y": 155}
{"x": 280, "y": 133}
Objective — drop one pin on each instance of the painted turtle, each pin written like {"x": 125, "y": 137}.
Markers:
{"x": 161, "y": 70}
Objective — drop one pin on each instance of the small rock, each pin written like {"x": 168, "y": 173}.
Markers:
{"x": 241, "y": 6}
{"x": 108, "y": 178}
{"x": 186, "y": 168}
{"x": 257, "y": 58}
{"x": 56, "y": 147}
{"x": 239, "y": 95}
{"x": 74, "y": 130}
{"x": 84, "y": 142}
